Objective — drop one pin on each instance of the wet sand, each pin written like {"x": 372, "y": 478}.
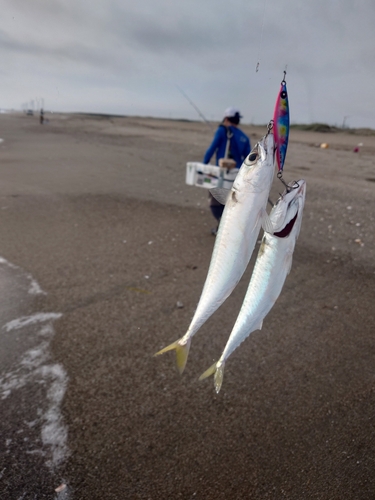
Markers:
{"x": 96, "y": 209}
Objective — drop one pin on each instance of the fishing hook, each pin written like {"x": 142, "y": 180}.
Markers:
{"x": 288, "y": 187}
{"x": 269, "y": 127}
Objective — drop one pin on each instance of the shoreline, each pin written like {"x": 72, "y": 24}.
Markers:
{"x": 98, "y": 213}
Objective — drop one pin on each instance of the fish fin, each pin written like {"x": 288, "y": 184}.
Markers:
{"x": 288, "y": 262}
{"x": 218, "y": 372}
{"x": 182, "y": 352}
{"x": 220, "y": 194}
{"x": 209, "y": 372}
{"x": 260, "y": 325}
{"x": 267, "y": 223}
{"x": 219, "y": 375}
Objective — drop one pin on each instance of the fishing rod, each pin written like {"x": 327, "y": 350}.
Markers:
{"x": 195, "y": 107}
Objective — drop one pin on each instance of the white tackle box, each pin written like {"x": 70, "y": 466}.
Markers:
{"x": 207, "y": 176}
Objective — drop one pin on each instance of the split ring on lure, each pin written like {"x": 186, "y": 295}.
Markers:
{"x": 281, "y": 124}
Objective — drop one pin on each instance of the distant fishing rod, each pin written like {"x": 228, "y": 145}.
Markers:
{"x": 195, "y": 107}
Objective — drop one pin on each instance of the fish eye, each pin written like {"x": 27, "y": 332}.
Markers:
{"x": 253, "y": 156}
{"x": 283, "y": 94}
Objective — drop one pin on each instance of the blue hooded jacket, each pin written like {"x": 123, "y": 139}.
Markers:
{"x": 239, "y": 145}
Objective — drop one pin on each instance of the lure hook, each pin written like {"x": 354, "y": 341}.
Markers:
{"x": 290, "y": 186}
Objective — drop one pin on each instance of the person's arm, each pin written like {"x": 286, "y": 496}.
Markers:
{"x": 214, "y": 145}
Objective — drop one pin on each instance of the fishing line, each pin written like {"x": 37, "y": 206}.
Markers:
{"x": 261, "y": 36}
{"x": 290, "y": 186}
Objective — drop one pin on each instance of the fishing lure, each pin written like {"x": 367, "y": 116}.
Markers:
{"x": 281, "y": 124}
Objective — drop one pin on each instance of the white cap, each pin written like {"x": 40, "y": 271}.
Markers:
{"x": 231, "y": 112}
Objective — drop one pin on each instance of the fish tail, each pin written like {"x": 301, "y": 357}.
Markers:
{"x": 182, "y": 352}
{"x": 218, "y": 372}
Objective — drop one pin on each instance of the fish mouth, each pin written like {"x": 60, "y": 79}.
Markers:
{"x": 293, "y": 190}
{"x": 262, "y": 150}
{"x": 267, "y": 146}
{"x": 301, "y": 186}
{"x": 287, "y": 229}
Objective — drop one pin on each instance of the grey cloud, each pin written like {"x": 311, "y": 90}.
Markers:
{"x": 166, "y": 30}
{"x": 209, "y": 47}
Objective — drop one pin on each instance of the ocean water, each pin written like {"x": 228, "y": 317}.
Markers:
{"x": 33, "y": 434}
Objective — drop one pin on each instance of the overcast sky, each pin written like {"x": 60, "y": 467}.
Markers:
{"x": 128, "y": 57}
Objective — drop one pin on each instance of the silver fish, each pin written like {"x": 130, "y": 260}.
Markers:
{"x": 272, "y": 266}
{"x": 243, "y": 216}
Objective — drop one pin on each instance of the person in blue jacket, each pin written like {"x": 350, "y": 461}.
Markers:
{"x": 231, "y": 146}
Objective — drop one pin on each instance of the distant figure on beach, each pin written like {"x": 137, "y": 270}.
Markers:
{"x": 231, "y": 146}
{"x": 41, "y": 116}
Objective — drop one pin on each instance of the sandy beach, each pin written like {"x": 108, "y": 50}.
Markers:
{"x": 96, "y": 209}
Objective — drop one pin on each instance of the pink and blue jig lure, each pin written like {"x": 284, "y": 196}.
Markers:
{"x": 281, "y": 124}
